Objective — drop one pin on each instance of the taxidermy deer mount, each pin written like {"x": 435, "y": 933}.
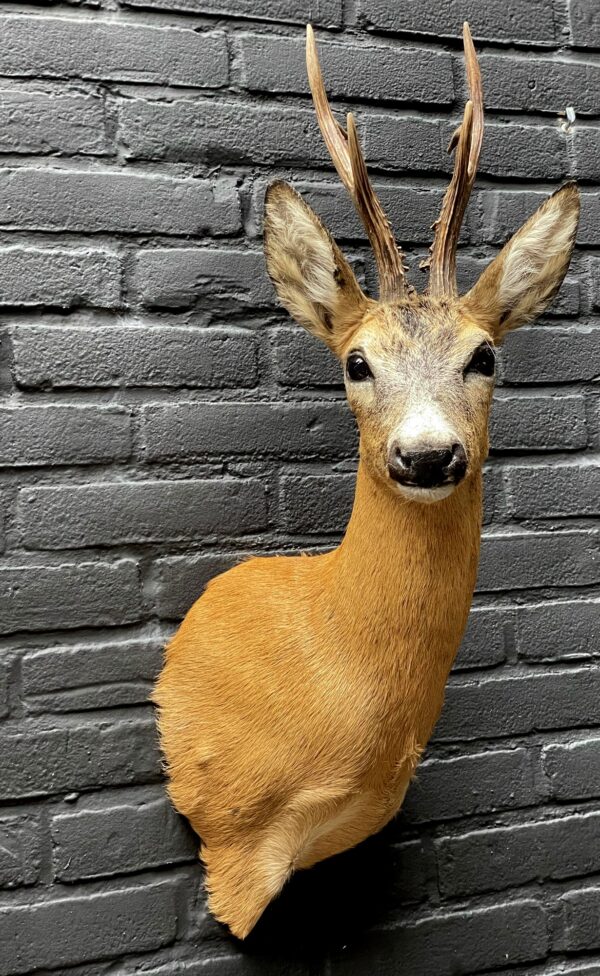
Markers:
{"x": 299, "y": 692}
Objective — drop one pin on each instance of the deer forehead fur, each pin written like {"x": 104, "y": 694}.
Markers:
{"x": 299, "y": 692}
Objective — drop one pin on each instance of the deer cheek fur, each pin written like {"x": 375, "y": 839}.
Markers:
{"x": 299, "y": 692}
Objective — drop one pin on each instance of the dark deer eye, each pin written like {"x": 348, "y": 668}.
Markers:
{"x": 482, "y": 361}
{"x": 357, "y": 368}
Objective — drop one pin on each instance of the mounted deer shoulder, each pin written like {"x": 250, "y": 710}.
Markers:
{"x": 299, "y": 693}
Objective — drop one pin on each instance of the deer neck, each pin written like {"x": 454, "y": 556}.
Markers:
{"x": 405, "y": 571}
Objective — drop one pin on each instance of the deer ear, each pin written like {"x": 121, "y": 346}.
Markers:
{"x": 524, "y": 278}
{"x": 312, "y": 277}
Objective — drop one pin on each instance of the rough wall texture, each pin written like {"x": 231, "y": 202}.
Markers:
{"x": 160, "y": 416}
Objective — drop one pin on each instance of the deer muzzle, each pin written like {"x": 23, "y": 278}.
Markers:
{"x": 427, "y": 467}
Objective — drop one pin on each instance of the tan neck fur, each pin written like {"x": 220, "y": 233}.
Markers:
{"x": 401, "y": 585}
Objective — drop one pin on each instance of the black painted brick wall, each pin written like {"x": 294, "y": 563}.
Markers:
{"x": 161, "y": 416}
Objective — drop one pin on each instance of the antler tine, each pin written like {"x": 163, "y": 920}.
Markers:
{"x": 467, "y": 141}
{"x": 475, "y": 90}
{"x": 344, "y": 149}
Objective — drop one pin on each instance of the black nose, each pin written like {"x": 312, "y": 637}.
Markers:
{"x": 428, "y": 468}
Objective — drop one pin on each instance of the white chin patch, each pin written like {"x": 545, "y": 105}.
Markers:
{"x": 426, "y": 495}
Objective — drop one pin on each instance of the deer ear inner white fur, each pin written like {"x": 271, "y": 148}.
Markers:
{"x": 522, "y": 280}
{"x": 313, "y": 279}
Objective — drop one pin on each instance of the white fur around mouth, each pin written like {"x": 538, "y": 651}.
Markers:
{"x": 426, "y": 495}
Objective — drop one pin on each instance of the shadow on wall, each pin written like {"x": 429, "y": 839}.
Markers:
{"x": 325, "y": 911}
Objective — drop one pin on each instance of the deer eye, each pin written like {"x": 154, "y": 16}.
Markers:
{"x": 482, "y": 361}
{"x": 357, "y": 368}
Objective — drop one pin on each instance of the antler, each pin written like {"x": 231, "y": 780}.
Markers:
{"x": 467, "y": 142}
{"x": 345, "y": 151}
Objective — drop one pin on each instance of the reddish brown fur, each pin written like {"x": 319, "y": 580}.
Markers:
{"x": 299, "y": 693}
{"x": 297, "y": 686}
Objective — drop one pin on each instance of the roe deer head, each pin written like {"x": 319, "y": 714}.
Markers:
{"x": 419, "y": 369}
{"x": 299, "y": 693}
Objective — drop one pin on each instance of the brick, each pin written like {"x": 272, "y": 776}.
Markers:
{"x": 595, "y": 423}
{"x": 182, "y": 579}
{"x": 526, "y": 151}
{"x": 218, "y": 133}
{"x": 519, "y": 703}
{"x": 509, "y": 150}
{"x": 482, "y": 782}
{"x": 316, "y": 503}
{"x": 59, "y": 277}
{"x": 551, "y": 355}
{"x": 586, "y": 143}
{"x": 327, "y": 13}
{"x": 588, "y": 232}
{"x": 70, "y": 595}
{"x": 413, "y": 871}
{"x": 52, "y": 199}
{"x": 57, "y": 47}
{"x": 33, "y": 122}
{"x": 568, "y": 300}
{"x": 581, "y": 912}
{"x": 510, "y": 21}
{"x": 150, "y": 239}
{"x": 20, "y": 851}
{"x": 411, "y": 211}
{"x": 595, "y": 276}
{"x": 177, "y": 277}
{"x": 399, "y": 144}
{"x": 545, "y": 490}
{"x": 72, "y": 678}
{"x": 41, "y": 760}
{"x": 132, "y": 355}
{"x": 484, "y": 643}
{"x": 539, "y": 84}
{"x": 573, "y": 769}
{"x": 303, "y": 361}
{"x": 501, "y": 213}
{"x": 75, "y": 516}
{"x": 4, "y": 506}
{"x": 278, "y": 64}
{"x": 173, "y": 431}
{"x": 117, "y": 839}
{"x": 457, "y": 942}
{"x": 504, "y": 857}
{"x": 538, "y": 421}
{"x": 558, "y": 630}
{"x": 578, "y": 968}
{"x": 5, "y": 677}
{"x": 85, "y": 927}
{"x": 516, "y": 561}
{"x": 493, "y": 493}
{"x": 584, "y": 17}
{"x": 242, "y": 964}
{"x": 64, "y": 435}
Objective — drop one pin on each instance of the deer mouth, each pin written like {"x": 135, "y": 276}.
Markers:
{"x": 418, "y": 493}
{"x": 433, "y": 485}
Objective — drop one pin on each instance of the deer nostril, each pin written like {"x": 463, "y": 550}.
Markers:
{"x": 458, "y": 463}
{"x": 415, "y": 460}
{"x": 428, "y": 468}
